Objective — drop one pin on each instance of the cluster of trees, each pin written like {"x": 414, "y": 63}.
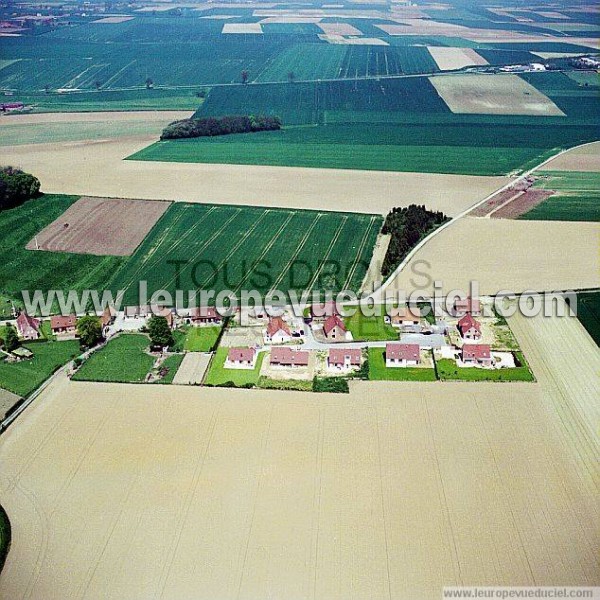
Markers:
{"x": 159, "y": 331}
{"x": 407, "y": 226}
{"x": 212, "y": 126}
{"x": 16, "y": 187}
{"x": 11, "y": 339}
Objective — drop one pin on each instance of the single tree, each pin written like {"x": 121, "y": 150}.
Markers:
{"x": 47, "y": 88}
{"x": 160, "y": 332}
{"x": 244, "y": 76}
{"x": 11, "y": 338}
{"x": 291, "y": 76}
{"x": 89, "y": 330}
{"x": 97, "y": 84}
{"x": 149, "y": 83}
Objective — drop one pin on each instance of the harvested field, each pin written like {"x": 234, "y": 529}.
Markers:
{"x": 242, "y": 28}
{"x": 192, "y": 369}
{"x": 493, "y": 95}
{"x": 494, "y": 477}
{"x": 521, "y": 204}
{"x": 339, "y": 29}
{"x": 362, "y": 41}
{"x": 510, "y": 255}
{"x": 115, "y": 19}
{"x": 448, "y": 59}
{"x": 80, "y": 168}
{"x": 585, "y": 158}
{"x": 100, "y": 226}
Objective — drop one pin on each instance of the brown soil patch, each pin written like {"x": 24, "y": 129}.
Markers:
{"x": 339, "y": 29}
{"x": 102, "y": 226}
{"x": 448, "y": 59}
{"x": 522, "y": 204}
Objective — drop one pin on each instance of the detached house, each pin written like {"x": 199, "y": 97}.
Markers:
{"x": 205, "y": 315}
{"x": 287, "y": 357}
{"x": 406, "y": 317}
{"x": 28, "y": 327}
{"x": 63, "y": 325}
{"x": 320, "y": 312}
{"x": 464, "y": 306}
{"x": 344, "y": 359}
{"x": 277, "y": 331}
{"x": 334, "y": 328}
{"x": 137, "y": 312}
{"x": 108, "y": 316}
{"x": 241, "y": 358}
{"x": 402, "y": 355}
{"x": 469, "y": 328}
{"x": 476, "y": 354}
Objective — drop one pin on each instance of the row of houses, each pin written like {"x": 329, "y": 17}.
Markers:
{"x": 29, "y": 328}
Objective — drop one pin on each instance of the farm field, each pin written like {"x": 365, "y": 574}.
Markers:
{"x": 379, "y": 372}
{"x": 585, "y": 159}
{"x": 577, "y": 197}
{"x": 588, "y": 312}
{"x": 24, "y": 377}
{"x": 234, "y": 248}
{"x": 488, "y": 440}
{"x": 7, "y": 401}
{"x": 123, "y": 359}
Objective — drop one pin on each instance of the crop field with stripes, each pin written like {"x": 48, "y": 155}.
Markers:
{"x": 196, "y": 246}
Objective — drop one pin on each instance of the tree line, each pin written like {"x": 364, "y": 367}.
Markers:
{"x": 213, "y": 126}
{"x": 407, "y": 226}
{"x": 16, "y": 187}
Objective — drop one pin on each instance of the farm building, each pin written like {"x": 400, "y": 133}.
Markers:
{"x": 476, "y": 354}
{"x": 464, "y": 306}
{"x": 469, "y": 328}
{"x": 205, "y": 315}
{"x": 288, "y": 357}
{"x": 61, "y": 325}
{"x": 402, "y": 355}
{"x": 28, "y": 327}
{"x": 277, "y": 331}
{"x": 241, "y": 358}
{"x": 405, "y": 317}
{"x": 344, "y": 359}
{"x": 334, "y": 328}
{"x": 11, "y": 106}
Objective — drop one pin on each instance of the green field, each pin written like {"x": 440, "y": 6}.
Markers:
{"x": 218, "y": 375}
{"x": 448, "y": 371}
{"x": 379, "y": 372}
{"x": 577, "y": 198}
{"x": 123, "y": 360}
{"x": 25, "y": 376}
{"x": 588, "y": 312}
{"x": 235, "y": 248}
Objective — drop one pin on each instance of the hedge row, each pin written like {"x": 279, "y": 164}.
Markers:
{"x": 213, "y": 126}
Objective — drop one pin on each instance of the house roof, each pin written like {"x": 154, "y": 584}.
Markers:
{"x": 331, "y": 322}
{"x": 476, "y": 351}
{"x": 107, "y": 316}
{"x": 408, "y": 313}
{"x": 467, "y": 305}
{"x": 142, "y": 311}
{"x": 325, "y": 309}
{"x": 397, "y": 351}
{"x": 25, "y": 322}
{"x": 240, "y": 354}
{"x": 204, "y": 312}
{"x": 284, "y": 355}
{"x": 61, "y": 322}
{"x": 467, "y": 322}
{"x": 337, "y": 356}
{"x": 277, "y": 324}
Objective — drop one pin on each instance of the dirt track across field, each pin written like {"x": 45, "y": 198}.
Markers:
{"x": 101, "y": 226}
{"x": 132, "y": 491}
{"x": 97, "y": 169}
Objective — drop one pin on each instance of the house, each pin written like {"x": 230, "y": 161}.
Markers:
{"x": 469, "y": 328}
{"x": 320, "y": 312}
{"x": 463, "y": 306}
{"x": 277, "y": 331}
{"x": 205, "y": 316}
{"x": 60, "y": 324}
{"x": 287, "y": 357}
{"x": 28, "y": 327}
{"x": 108, "y": 316}
{"x": 344, "y": 359}
{"x": 406, "y": 317}
{"x": 477, "y": 354}
{"x": 137, "y": 312}
{"x": 402, "y": 355}
{"x": 334, "y": 328}
{"x": 241, "y": 358}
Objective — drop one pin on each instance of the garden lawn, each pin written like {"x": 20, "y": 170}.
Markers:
{"x": 123, "y": 360}
{"x": 201, "y": 339}
{"x": 25, "y": 376}
{"x": 219, "y": 375}
{"x": 370, "y": 329}
{"x": 448, "y": 371}
{"x": 379, "y": 372}
{"x": 172, "y": 363}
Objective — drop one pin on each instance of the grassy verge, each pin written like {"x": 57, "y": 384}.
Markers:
{"x": 449, "y": 371}
{"x": 218, "y": 375}
{"x": 25, "y": 376}
{"x": 379, "y": 372}
{"x": 5, "y": 537}
{"x": 122, "y": 360}
{"x": 287, "y": 384}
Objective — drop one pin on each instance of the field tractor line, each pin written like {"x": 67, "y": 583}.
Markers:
{"x": 359, "y": 254}
{"x": 329, "y": 249}
{"x": 298, "y": 250}
{"x": 242, "y": 240}
{"x": 73, "y": 80}
{"x": 378, "y": 293}
{"x": 267, "y": 248}
{"x": 117, "y": 74}
{"x": 91, "y": 77}
{"x": 207, "y": 243}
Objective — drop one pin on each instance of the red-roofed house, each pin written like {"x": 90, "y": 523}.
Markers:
{"x": 334, "y": 328}
{"x": 469, "y": 328}
{"x": 277, "y": 331}
{"x": 402, "y": 355}
{"x": 241, "y": 358}
{"x": 286, "y": 356}
{"x": 205, "y": 315}
{"x": 324, "y": 310}
{"x": 344, "y": 359}
{"x": 108, "y": 316}
{"x": 60, "y": 324}
{"x": 463, "y": 306}
{"x": 476, "y": 354}
{"x": 405, "y": 316}
{"x": 28, "y": 327}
